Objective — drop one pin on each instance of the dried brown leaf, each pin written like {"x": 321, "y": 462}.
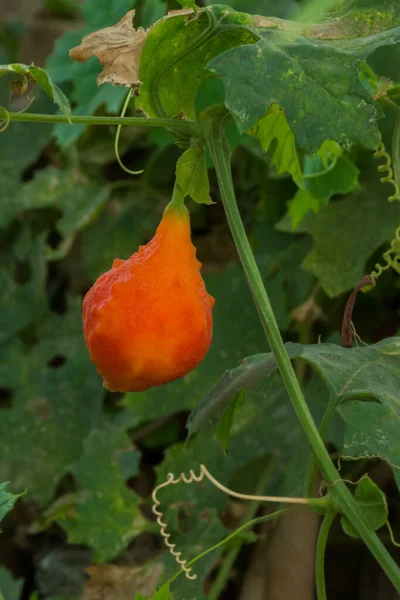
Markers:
{"x": 118, "y": 49}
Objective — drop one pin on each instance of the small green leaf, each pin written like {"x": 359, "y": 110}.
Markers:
{"x": 7, "y": 500}
{"x": 372, "y": 502}
{"x": 43, "y": 79}
{"x": 192, "y": 175}
{"x": 301, "y": 204}
{"x": 341, "y": 178}
{"x": 274, "y": 126}
{"x": 223, "y": 430}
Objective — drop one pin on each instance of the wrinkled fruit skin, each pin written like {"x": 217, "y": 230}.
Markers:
{"x": 148, "y": 320}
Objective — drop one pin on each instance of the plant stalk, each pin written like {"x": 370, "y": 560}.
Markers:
{"x": 313, "y": 464}
{"x": 178, "y": 125}
{"x": 220, "y": 153}
{"x": 320, "y": 554}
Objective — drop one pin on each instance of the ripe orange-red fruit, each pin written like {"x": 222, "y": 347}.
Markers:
{"x": 148, "y": 320}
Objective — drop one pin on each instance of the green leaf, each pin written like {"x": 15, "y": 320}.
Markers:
{"x": 274, "y": 126}
{"x": 341, "y": 179}
{"x": 85, "y": 94}
{"x": 44, "y": 430}
{"x": 43, "y": 79}
{"x": 316, "y": 189}
{"x": 109, "y": 516}
{"x": 70, "y": 191}
{"x": 23, "y": 303}
{"x": 300, "y": 205}
{"x": 312, "y": 72}
{"x": 361, "y": 223}
{"x": 21, "y": 144}
{"x": 371, "y": 430}
{"x": 372, "y": 502}
{"x": 192, "y": 40}
{"x": 315, "y": 83}
{"x": 347, "y": 372}
{"x": 192, "y": 175}
{"x": 7, "y": 500}
{"x": 10, "y": 588}
{"x": 224, "y": 428}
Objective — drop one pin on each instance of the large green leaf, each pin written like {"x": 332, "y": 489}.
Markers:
{"x": 108, "y": 516}
{"x": 366, "y": 371}
{"x": 361, "y": 223}
{"x": 176, "y": 52}
{"x": 312, "y": 73}
{"x": 371, "y": 430}
{"x": 316, "y": 84}
{"x": 53, "y": 409}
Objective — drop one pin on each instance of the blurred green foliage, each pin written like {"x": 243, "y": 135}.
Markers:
{"x": 317, "y": 222}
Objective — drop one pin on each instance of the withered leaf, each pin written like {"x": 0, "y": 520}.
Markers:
{"x": 118, "y": 49}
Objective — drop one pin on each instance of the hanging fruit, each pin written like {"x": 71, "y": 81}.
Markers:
{"x": 148, "y": 320}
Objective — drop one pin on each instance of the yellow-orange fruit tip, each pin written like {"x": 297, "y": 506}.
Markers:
{"x": 148, "y": 320}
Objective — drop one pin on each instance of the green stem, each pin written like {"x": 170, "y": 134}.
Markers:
{"x": 220, "y": 581}
{"x": 313, "y": 464}
{"x": 220, "y": 153}
{"x": 178, "y": 125}
{"x": 230, "y": 537}
{"x": 320, "y": 554}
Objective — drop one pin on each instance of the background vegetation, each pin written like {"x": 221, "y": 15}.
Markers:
{"x": 89, "y": 459}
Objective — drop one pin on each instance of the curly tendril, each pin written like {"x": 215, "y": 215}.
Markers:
{"x": 392, "y": 256}
{"x": 387, "y": 166}
{"x": 193, "y": 478}
{"x": 6, "y": 121}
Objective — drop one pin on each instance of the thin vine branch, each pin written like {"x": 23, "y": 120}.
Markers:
{"x": 178, "y": 125}
{"x": 320, "y": 554}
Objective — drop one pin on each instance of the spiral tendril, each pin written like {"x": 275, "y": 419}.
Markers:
{"x": 387, "y": 167}
{"x": 392, "y": 256}
{"x": 171, "y": 480}
{"x": 193, "y": 478}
